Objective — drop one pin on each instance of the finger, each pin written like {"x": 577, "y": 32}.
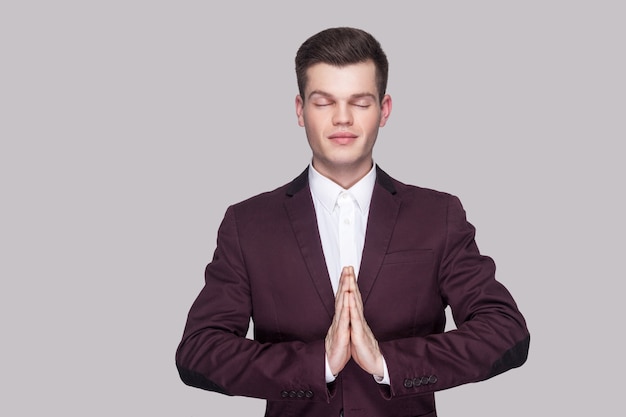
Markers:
{"x": 356, "y": 316}
{"x": 343, "y": 282}
{"x": 342, "y": 317}
{"x": 356, "y": 289}
{"x": 342, "y": 314}
{"x": 340, "y": 290}
{"x": 351, "y": 270}
{"x": 350, "y": 279}
{"x": 337, "y": 342}
{"x": 342, "y": 311}
{"x": 358, "y": 300}
{"x": 345, "y": 275}
{"x": 340, "y": 327}
{"x": 359, "y": 327}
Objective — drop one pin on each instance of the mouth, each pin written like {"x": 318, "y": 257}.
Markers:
{"x": 343, "y": 138}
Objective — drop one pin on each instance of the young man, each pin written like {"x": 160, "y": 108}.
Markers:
{"x": 347, "y": 272}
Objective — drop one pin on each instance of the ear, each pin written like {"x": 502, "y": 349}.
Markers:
{"x": 300, "y": 110}
{"x": 385, "y": 109}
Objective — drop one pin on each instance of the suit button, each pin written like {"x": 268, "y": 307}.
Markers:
{"x": 424, "y": 380}
{"x": 341, "y": 413}
{"x": 284, "y": 394}
{"x": 300, "y": 394}
{"x": 292, "y": 394}
{"x": 309, "y": 394}
{"x": 417, "y": 382}
{"x": 432, "y": 379}
{"x": 408, "y": 383}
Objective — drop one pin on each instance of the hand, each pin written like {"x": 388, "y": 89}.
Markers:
{"x": 363, "y": 344}
{"x": 337, "y": 341}
{"x": 349, "y": 335}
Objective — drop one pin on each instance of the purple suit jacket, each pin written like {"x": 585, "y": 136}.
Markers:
{"x": 419, "y": 257}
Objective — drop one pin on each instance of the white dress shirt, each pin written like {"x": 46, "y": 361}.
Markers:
{"x": 326, "y": 198}
{"x": 342, "y": 230}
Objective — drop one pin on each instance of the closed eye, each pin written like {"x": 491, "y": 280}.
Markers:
{"x": 322, "y": 103}
{"x": 362, "y": 102}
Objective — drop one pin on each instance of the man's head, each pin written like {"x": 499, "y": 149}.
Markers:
{"x": 342, "y": 76}
{"x": 340, "y": 47}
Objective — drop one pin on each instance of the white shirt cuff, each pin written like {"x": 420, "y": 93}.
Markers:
{"x": 329, "y": 374}
{"x": 385, "y": 379}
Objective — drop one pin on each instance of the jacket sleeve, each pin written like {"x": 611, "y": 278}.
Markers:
{"x": 491, "y": 335}
{"x": 215, "y": 354}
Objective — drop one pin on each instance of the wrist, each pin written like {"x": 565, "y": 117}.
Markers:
{"x": 384, "y": 377}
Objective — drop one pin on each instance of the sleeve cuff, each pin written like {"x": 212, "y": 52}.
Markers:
{"x": 329, "y": 374}
{"x": 385, "y": 378}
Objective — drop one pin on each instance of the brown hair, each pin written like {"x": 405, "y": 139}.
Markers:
{"x": 340, "y": 47}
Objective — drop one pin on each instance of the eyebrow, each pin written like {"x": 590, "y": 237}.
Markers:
{"x": 352, "y": 97}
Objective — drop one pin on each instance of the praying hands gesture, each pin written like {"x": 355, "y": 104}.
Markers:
{"x": 349, "y": 336}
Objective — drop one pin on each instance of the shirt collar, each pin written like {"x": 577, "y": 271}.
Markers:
{"x": 327, "y": 191}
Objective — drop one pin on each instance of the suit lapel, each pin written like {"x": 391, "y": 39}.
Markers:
{"x": 381, "y": 221}
{"x": 384, "y": 209}
{"x": 301, "y": 212}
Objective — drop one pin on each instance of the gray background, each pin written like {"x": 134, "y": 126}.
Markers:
{"x": 127, "y": 128}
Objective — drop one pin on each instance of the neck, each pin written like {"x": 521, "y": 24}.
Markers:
{"x": 346, "y": 176}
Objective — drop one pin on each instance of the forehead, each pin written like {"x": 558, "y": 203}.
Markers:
{"x": 342, "y": 81}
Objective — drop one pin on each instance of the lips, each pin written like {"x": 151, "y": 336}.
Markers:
{"x": 343, "y": 138}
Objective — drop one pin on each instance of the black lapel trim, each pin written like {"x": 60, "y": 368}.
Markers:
{"x": 385, "y": 180}
{"x": 300, "y": 182}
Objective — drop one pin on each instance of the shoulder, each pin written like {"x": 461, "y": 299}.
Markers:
{"x": 270, "y": 203}
{"x": 409, "y": 193}
{"x": 428, "y": 203}
{"x": 431, "y": 209}
{"x": 262, "y": 200}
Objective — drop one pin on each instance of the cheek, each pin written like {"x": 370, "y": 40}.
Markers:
{"x": 312, "y": 136}
{"x": 314, "y": 125}
{"x": 369, "y": 121}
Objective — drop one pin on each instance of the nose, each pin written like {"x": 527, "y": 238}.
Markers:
{"x": 342, "y": 115}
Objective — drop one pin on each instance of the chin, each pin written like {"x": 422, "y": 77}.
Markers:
{"x": 349, "y": 163}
